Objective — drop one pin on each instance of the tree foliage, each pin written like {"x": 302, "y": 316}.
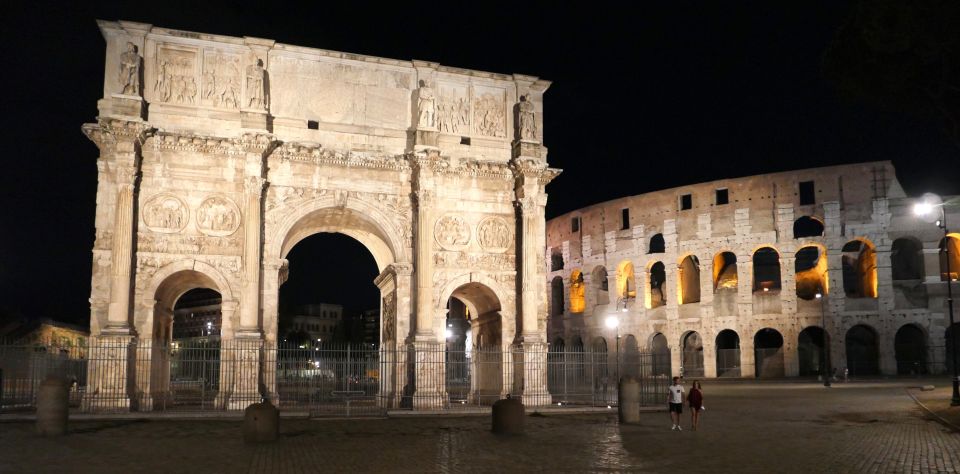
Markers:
{"x": 902, "y": 56}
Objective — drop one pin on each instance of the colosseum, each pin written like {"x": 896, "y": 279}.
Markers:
{"x": 740, "y": 277}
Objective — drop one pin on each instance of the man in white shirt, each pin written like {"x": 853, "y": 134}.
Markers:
{"x": 675, "y": 399}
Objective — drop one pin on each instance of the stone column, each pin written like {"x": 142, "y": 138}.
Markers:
{"x": 747, "y": 357}
{"x": 532, "y": 274}
{"x": 429, "y": 359}
{"x": 109, "y": 378}
{"x": 788, "y": 284}
{"x": 709, "y": 355}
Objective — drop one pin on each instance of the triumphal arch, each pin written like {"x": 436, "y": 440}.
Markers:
{"x": 218, "y": 154}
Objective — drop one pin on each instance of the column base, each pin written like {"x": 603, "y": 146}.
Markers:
{"x": 535, "y": 392}
{"x": 430, "y": 376}
{"x": 107, "y": 384}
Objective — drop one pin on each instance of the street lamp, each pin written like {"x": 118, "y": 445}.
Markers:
{"x": 927, "y": 208}
{"x": 825, "y": 349}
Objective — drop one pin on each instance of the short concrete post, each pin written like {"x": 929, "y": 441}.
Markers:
{"x": 261, "y": 423}
{"x": 52, "y": 407}
{"x": 629, "y": 400}
{"x": 508, "y": 416}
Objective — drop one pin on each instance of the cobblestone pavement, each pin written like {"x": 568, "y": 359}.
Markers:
{"x": 748, "y": 427}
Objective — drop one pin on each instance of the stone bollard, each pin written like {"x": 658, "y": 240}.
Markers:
{"x": 52, "y": 401}
{"x": 508, "y": 416}
{"x": 261, "y": 423}
{"x": 628, "y": 396}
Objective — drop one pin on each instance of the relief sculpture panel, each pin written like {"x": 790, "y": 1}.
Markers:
{"x": 453, "y": 110}
{"x": 176, "y": 76}
{"x": 452, "y": 233}
{"x": 489, "y": 117}
{"x": 165, "y": 213}
{"x": 221, "y": 80}
{"x": 493, "y": 233}
{"x": 218, "y": 216}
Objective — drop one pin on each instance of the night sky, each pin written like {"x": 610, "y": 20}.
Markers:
{"x": 668, "y": 94}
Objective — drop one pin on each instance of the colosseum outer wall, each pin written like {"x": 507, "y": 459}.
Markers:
{"x": 858, "y": 244}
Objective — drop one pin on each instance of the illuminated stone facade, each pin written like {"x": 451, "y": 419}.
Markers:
{"x": 732, "y": 268}
{"x": 218, "y": 154}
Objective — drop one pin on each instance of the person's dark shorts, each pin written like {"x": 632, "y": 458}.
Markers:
{"x": 676, "y": 407}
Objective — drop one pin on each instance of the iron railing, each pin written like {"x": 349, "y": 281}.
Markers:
{"x": 207, "y": 374}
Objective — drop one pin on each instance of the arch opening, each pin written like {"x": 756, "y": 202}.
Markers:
{"x": 556, "y": 296}
{"x": 863, "y": 355}
{"x": 660, "y": 355}
{"x": 950, "y": 265}
{"x": 600, "y": 285}
{"x": 692, "y": 360}
{"x": 577, "y": 300}
{"x": 807, "y": 226}
{"x": 631, "y": 356}
{"x": 657, "y": 244}
{"x": 907, "y": 270}
{"x": 910, "y": 348}
{"x": 473, "y": 351}
{"x": 728, "y": 353}
{"x": 810, "y": 267}
{"x": 658, "y": 280}
{"x": 768, "y": 353}
{"x": 626, "y": 282}
{"x": 810, "y": 353}
{"x": 689, "y": 276}
{"x": 859, "y": 269}
{"x": 766, "y": 270}
{"x": 185, "y": 357}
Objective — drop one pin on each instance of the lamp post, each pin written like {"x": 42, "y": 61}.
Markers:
{"x": 613, "y": 322}
{"x": 826, "y": 347}
{"x": 927, "y": 208}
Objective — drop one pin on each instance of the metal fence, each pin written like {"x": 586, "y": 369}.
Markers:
{"x": 206, "y": 374}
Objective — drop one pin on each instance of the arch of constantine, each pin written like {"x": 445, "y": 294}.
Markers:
{"x": 740, "y": 277}
{"x": 219, "y": 154}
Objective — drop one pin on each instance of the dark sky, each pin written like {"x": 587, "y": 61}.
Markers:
{"x": 643, "y": 99}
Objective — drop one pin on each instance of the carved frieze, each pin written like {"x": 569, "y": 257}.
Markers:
{"x": 485, "y": 261}
{"x": 488, "y": 115}
{"x": 453, "y": 115}
{"x": 494, "y": 234}
{"x": 165, "y": 213}
{"x": 221, "y": 80}
{"x": 388, "y": 317}
{"x": 218, "y": 216}
{"x": 176, "y": 76}
{"x": 452, "y": 232}
{"x": 186, "y": 244}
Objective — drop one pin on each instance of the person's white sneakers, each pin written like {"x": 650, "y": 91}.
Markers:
{"x": 679, "y": 428}
{"x": 674, "y": 428}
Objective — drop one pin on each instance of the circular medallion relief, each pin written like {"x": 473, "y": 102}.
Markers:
{"x": 218, "y": 216}
{"x": 493, "y": 233}
{"x": 165, "y": 213}
{"x": 452, "y": 233}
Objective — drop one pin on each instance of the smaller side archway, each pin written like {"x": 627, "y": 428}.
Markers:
{"x": 768, "y": 353}
{"x": 910, "y": 348}
{"x": 728, "y": 353}
{"x": 556, "y": 296}
{"x": 810, "y": 267}
{"x": 863, "y": 355}
{"x": 626, "y": 282}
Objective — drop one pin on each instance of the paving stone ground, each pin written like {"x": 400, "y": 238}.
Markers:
{"x": 748, "y": 427}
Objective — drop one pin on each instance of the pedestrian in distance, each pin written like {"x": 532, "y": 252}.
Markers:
{"x": 695, "y": 399}
{"x": 675, "y": 400}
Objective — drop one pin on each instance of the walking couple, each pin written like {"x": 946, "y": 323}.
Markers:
{"x": 694, "y": 399}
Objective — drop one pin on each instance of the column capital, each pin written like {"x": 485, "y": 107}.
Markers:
{"x": 254, "y": 185}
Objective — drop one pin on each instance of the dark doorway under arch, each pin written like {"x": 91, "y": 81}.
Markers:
{"x": 660, "y": 355}
{"x": 728, "y": 353}
{"x": 768, "y": 353}
{"x": 692, "y": 362}
{"x": 910, "y": 347}
{"x": 810, "y": 351}
{"x": 863, "y": 354}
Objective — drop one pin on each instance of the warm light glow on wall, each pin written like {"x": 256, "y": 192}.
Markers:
{"x": 626, "y": 283}
{"x": 577, "y": 303}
